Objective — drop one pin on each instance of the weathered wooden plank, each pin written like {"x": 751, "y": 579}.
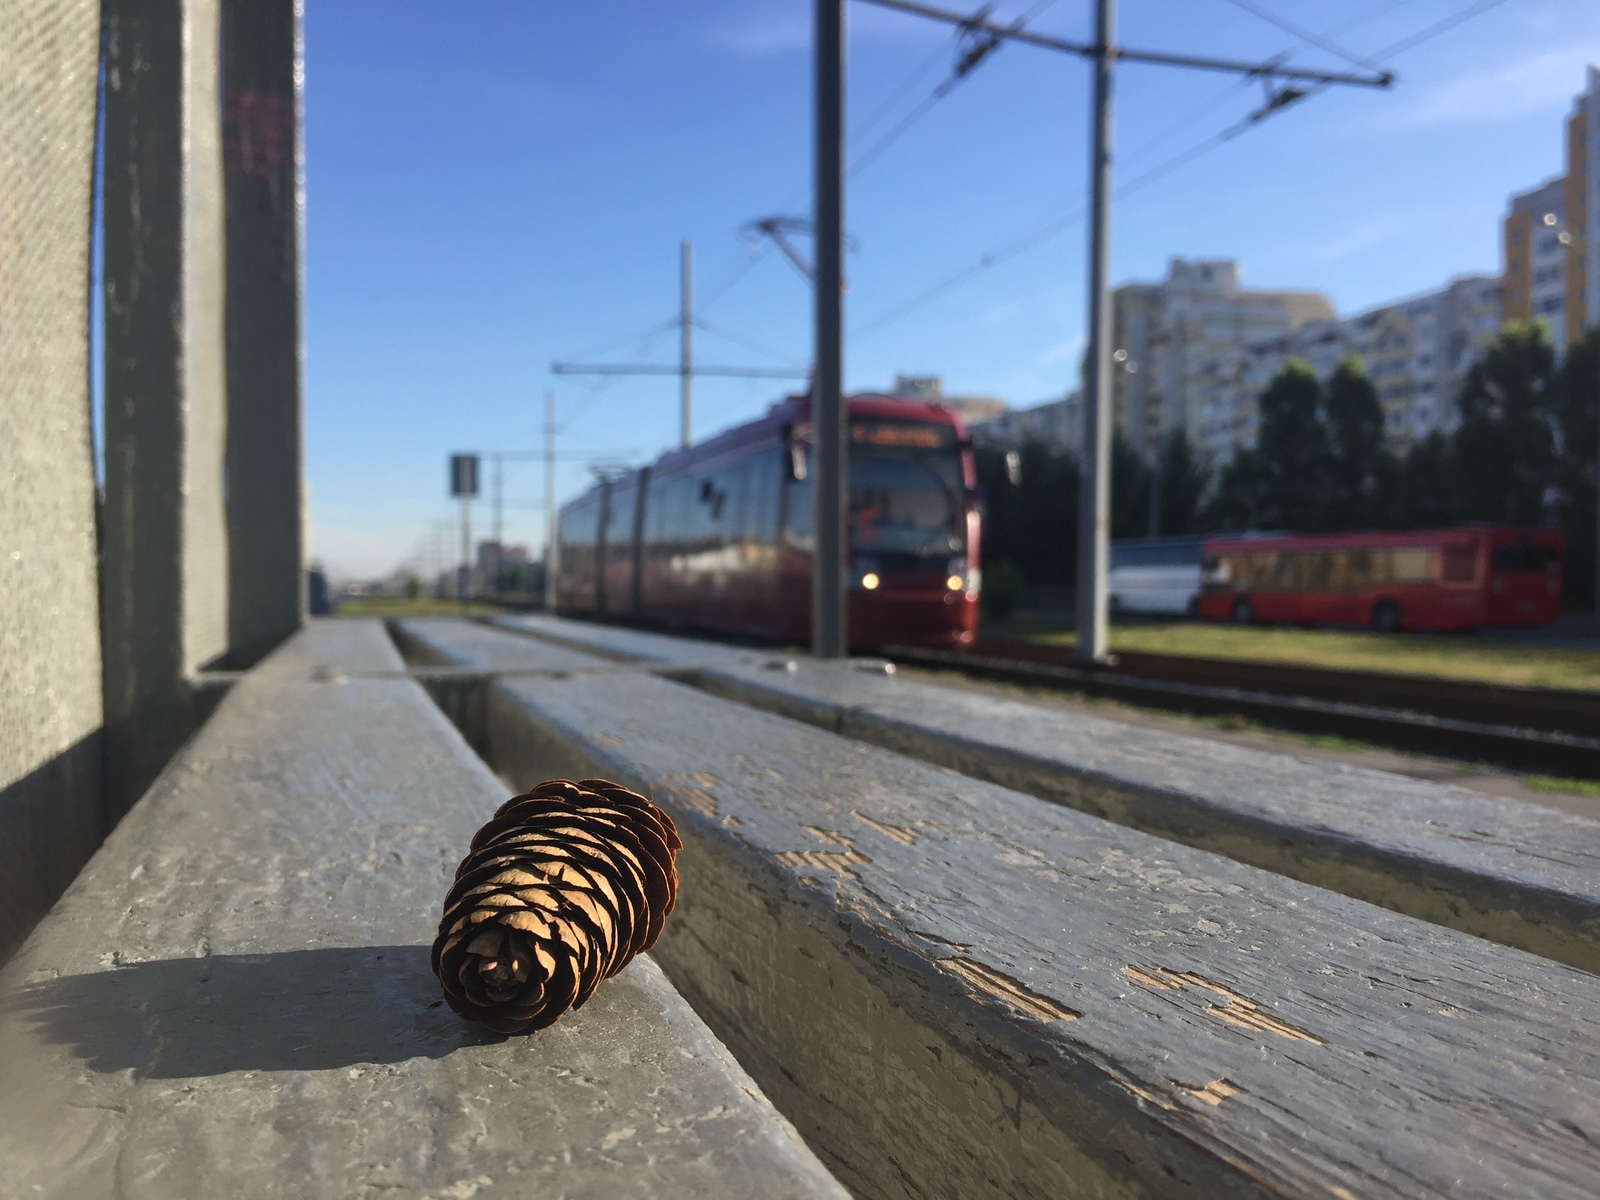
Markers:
{"x": 1517, "y": 873}
{"x": 956, "y": 989}
{"x": 451, "y": 641}
{"x": 623, "y": 645}
{"x": 234, "y": 998}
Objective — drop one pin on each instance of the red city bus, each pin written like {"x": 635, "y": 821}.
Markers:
{"x": 718, "y": 537}
{"x": 1422, "y": 579}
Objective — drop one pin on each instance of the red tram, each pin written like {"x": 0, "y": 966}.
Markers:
{"x": 1424, "y": 579}
{"x": 718, "y": 537}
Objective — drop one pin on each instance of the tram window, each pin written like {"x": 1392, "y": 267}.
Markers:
{"x": 764, "y": 479}
{"x": 798, "y": 521}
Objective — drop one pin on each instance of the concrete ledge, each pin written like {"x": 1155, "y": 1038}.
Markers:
{"x": 955, "y": 989}
{"x": 1515, "y": 873}
{"x": 234, "y": 999}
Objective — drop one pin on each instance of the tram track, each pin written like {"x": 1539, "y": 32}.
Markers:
{"x": 1549, "y": 730}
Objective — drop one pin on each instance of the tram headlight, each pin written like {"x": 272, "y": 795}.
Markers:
{"x": 961, "y": 578}
{"x": 870, "y": 581}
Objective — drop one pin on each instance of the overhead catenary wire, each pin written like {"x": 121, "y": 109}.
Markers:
{"x": 1027, "y": 241}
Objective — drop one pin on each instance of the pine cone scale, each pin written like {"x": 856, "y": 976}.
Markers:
{"x": 558, "y": 892}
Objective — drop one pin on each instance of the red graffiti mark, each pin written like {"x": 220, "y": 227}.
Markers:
{"x": 258, "y": 132}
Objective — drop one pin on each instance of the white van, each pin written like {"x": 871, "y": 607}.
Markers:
{"x": 1155, "y": 576}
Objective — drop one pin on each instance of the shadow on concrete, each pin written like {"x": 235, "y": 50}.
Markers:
{"x": 51, "y": 820}
{"x": 303, "y": 1010}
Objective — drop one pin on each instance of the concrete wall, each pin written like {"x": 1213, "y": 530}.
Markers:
{"x": 102, "y": 645}
{"x": 165, "y": 565}
{"x": 50, "y": 817}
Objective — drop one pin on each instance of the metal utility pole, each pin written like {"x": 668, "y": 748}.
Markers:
{"x": 829, "y": 635}
{"x": 499, "y": 526}
{"x": 686, "y": 339}
{"x": 1094, "y": 493}
{"x": 464, "y": 589}
{"x": 1094, "y": 472}
{"x": 550, "y": 548}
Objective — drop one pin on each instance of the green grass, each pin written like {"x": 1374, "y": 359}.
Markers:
{"x": 1450, "y": 656}
{"x": 387, "y": 607}
{"x": 1576, "y": 787}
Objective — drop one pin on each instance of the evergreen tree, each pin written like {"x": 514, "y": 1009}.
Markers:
{"x": 1358, "y": 466}
{"x": 1505, "y": 447}
{"x": 1577, "y": 405}
{"x": 1034, "y": 522}
{"x": 1130, "y": 490}
{"x": 1184, "y": 480}
{"x": 1295, "y": 460}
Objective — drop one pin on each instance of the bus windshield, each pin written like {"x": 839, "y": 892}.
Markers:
{"x": 905, "y": 490}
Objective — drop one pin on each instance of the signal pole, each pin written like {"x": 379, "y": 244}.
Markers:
{"x": 829, "y": 428}
{"x": 686, "y": 338}
{"x": 1094, "y": 474}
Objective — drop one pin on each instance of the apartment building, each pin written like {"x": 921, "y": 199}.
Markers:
{"x": 1057, "y": 424}
{"x": 1416, "y": 351}
{"x": 1177, "y": 341}
{"x": 1551, "y": 234}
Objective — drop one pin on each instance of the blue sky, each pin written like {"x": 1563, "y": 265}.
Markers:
{"x": 496, "y": 185}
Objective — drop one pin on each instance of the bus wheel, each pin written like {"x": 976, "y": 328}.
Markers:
{"x": 1386, "y": 616}
{"x": 1244, "y": 613}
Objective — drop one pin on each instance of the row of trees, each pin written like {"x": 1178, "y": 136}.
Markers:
{"x": 1523, "y": 453}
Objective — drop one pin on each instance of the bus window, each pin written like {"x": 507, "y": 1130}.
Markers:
{"x": 1518, "y": 559}
{"x": 1409, "y": 565}
{"x": 1460, "y": 564}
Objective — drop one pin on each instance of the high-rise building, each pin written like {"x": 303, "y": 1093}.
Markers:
{"x": 1416, "y": 351}
{"x": 1551, "y": 234}
{"x": 1170, "y": 338}
{"x": 1057, "y": 424}
{"x": 971, "y": 409}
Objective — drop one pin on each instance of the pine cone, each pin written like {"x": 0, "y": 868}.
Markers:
{"x": 559, "y": 891}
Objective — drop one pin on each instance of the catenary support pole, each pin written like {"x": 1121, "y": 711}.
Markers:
{"x": 828, "y": 634}
{"x": 464, "y": 580}
{"x": 686, "y": 341}
{"x": 550, "y": 548}
{"x": 499, "y": 527}
{"x": 1094, "y": 488}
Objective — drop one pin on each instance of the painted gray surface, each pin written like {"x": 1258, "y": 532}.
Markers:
{"x": 165, "y": 558}
{"x": 1518, "y": 873}
{"x": 50, "y": 710}
{"x": 955, "y": 989}
{"x": 234, "y": 998}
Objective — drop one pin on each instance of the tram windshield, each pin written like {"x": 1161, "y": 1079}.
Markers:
{"x": 905, "y": 490}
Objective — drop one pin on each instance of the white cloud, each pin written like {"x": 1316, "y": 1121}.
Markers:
{"x": 1544, "y": 82}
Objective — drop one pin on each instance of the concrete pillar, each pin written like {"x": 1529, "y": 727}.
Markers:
{"x": 263, "y": 69}
{"x": 50, "y": 714}
{"x": 164, "y": 566}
